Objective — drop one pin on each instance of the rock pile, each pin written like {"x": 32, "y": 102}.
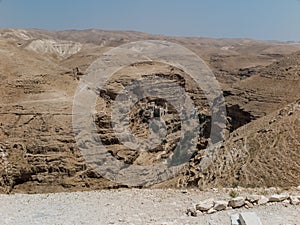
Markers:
{"x": 210, "y": 206}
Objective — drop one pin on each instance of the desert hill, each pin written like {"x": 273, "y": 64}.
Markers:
{"x": 40, "y": 71}
{"x": 263, "y": 153}
{"x": 271, "y": 88}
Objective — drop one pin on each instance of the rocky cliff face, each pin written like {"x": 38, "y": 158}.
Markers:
{"x": 262, "y": 153}
{"x": 273, "y": 87}
{"x": 40, "y": 71}
{"x": 60, "y": 49}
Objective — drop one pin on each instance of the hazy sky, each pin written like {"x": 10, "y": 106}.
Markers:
{"x": 258, "y": 19}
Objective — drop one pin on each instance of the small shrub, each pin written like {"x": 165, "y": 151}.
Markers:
{"x": 233, "y": 193}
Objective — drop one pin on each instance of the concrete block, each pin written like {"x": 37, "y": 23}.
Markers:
{"x": 235, "y": 219}
{"x": 249, "y": 218}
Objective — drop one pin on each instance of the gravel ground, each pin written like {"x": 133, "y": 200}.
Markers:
{"x": 128, "y": 206}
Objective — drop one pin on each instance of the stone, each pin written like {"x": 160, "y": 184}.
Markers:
{"x": 249, "y": 205}
{"x": 237, "y": 202}
{"x": 253, "y": 198}
{"x": 278, "y": 198}
{"x": 199, "y": 213}
{"x": 286, "y": 202}
{"x": 205, "y": 205}
{"x": 211, "y": 211}
{"x": 191, "y": 211}
{"x": 295, "y": 200}
{"x": 249, "y": 218}
{"x": 262, "y": 200}
{"x": 220, "y": 205}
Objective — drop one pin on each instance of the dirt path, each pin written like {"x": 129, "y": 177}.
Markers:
{"x": 128, "y": 207}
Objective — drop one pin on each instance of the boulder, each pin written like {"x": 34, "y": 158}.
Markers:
{"x": 253, "y": 198}
{"x": 191, "y": 211}
{"x": 237, "y": 202}
{"x": 262, "y": 200}
{"x": 286, "y": 202}
{"x": 295, "y": 200}
{"x": 248, "y": 204}
{"x": 278, "y": 198}
{"x": 211, "y": 211}
{"x": 220, "y": 205}
{"x": 205, "y": 205}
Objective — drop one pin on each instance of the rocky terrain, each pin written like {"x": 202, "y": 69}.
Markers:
{"x": 40, "y": 71}
{"x": 264, "y": 152}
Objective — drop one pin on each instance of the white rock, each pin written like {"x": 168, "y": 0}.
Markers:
{"x": 295, "y": 200}
{"x": 262, "y": 200}
{"x": 215, "y": 190}
{"x": 205, "y": 205}
{"x": 199, "y": 213}
{"x": 211, "y": 211}
{"x": 249, "y": 205}
{"x": 298, "y": 188}
{"x": 253, "y": 198}
{"x": 278, "y": 198}
{"x": 236, "y": 202}
{"x": 249, "y": 218}
{"x": 286, "y": 202}
{"x": 191, "y": 211}
{"x": 220, "y": 205}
